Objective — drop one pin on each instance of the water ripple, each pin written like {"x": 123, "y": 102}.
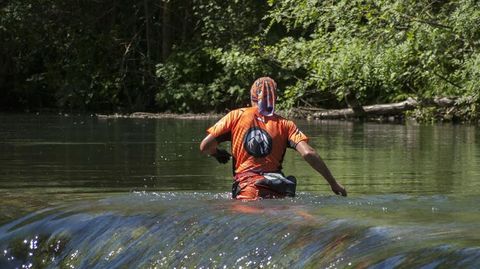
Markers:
{"x": 208, "y": 230}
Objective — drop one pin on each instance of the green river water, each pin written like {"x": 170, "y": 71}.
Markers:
{"x": 83, "y": 192}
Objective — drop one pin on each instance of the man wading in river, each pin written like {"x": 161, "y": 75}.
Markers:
{"x": 259, "y": 140}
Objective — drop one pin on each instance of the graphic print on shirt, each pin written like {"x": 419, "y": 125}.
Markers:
{"x": 257, "y": 142}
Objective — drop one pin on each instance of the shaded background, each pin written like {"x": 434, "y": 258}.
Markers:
{"x": 202, "y": 55}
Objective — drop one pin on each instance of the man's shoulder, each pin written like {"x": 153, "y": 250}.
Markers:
{"x": 283, "y": 120}
{"x": 235, "y": 114}
{"x": 240, "y": 111}
{"x": 243, "y": 109}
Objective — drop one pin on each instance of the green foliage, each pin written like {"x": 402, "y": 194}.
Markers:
{"x": 203, "y": 55}
{"x": 57, "y": 57}
{"x": 215, "y": 70}
{"x": 192, "y": 83}
{"x": 378, "y": 50}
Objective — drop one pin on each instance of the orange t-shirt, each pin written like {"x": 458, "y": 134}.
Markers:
{"x": 258, "y": 142}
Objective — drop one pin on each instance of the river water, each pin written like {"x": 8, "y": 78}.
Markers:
{"x": 82, "y": 192}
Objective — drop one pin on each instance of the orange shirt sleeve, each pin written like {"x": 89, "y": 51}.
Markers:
{"x": 295, "y": 136}
{"x": 223, "y": 127}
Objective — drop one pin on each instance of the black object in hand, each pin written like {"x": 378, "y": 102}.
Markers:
{"x": 222, "y": 156}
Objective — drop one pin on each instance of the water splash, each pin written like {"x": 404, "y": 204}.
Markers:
{"x": 208, "y": 230}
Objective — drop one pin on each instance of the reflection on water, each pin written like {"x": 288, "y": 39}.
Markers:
{"x": 64, "y": 154}
{"x": 80, "y": 192}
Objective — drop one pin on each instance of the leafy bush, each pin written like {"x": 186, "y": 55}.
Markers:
{"x": 203, "y": 55}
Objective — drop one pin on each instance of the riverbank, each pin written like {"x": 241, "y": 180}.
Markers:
{"x": 435, "y": 110}
{"x": 150, "y": 115}
{"x": 440, "y": 109}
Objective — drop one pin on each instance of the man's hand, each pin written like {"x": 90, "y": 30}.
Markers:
{"x": 338, "y": 189}
{"x": 221, "y": 155}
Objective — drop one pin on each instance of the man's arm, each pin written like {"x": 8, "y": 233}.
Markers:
{"x": 209, "y": 146}
{"x": 310, "y": 155}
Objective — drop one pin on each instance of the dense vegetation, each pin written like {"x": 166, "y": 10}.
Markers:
{"x": 202, "y": 55}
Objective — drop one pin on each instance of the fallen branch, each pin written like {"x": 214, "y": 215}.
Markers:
{"x": 394, "y": 109}
{"x": 373, "y": 110}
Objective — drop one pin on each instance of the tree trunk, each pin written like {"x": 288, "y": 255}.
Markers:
{"x": 355, "y": 105}
{"x": 185, "y": 23}
{"x": 147, "y": 28}
{"x": 166, "y": 33}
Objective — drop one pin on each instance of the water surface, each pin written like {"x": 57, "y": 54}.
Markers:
{"x": 82, "y": 192}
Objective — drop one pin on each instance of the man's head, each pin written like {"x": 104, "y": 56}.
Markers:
{"x": 263, "y": 95}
